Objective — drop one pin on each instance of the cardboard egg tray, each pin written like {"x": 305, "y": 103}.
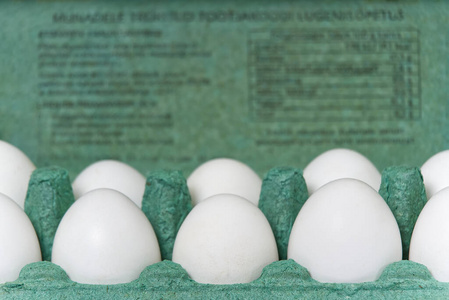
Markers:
{"x": 167, "y": 202}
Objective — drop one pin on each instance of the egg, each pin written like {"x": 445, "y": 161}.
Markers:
{"x": 429, "y": 244}
{"x": 435, "y": 173}
{"x": 19, "y": 244}
{"x": 104, "y": 238}
{"x": 340, "y": 163}
{"x": 345, "y": 233}
{"x": 111, "y": 174}
{"x": 224, "y": 176}
{"x": 225, "y": 239}
{"x": 15, "y": 173}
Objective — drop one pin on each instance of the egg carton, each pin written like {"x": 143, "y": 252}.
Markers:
{"x": 167, "y": 202}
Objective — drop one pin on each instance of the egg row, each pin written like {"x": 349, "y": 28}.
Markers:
{"x": 212, "y": 177}
{"x": 104, "y": 238}
{"x": 326, "y": 223}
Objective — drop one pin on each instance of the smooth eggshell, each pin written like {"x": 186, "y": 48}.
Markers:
{"x": 435, "y": 173}
{"x": 15, "y": 173}
{"x": 225, "y": 240}
{"x": 19, "y": 245}
{"x": 340, "y": 163}
{"x": 224, "y": 176}
{"x": 345, "y": 233}
{"x": 430, "y": 239}
{"x": 104, "y": 238}
{"x": 111, "y": 174}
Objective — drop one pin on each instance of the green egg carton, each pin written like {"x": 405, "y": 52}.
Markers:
{"x": 167, "y": 202}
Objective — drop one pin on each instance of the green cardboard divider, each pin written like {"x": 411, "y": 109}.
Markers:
{"x": 284, "y": 279}
{"x": 403, "y": 190}
{"x": 284, "y": 192}
{"x": 166, "y": 203}
{"x": 48, "y": 197}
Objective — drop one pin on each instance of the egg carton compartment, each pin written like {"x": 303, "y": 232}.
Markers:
{"x": 167, "y": 202}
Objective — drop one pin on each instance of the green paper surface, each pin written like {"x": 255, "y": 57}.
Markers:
{"x": 169, "y": 85}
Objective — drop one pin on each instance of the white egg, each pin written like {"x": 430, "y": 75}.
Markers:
{"x": 224, "y": 176}
{"x": 225, "y": 240}
{"x": 345, "y": 233}
{"x": 19, "y": 245}
{"x": 430, "y": 239}
{"x": 104, "y": 238}
{"x": 340, "y": 163}
{"x": 111, "y": 174}
{"x": 435, "y": 173}
{"x": 15, "y": 173}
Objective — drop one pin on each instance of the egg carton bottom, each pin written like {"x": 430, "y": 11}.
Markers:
{"x": 167, "y": 202}
{"x": 280, "y": 280}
